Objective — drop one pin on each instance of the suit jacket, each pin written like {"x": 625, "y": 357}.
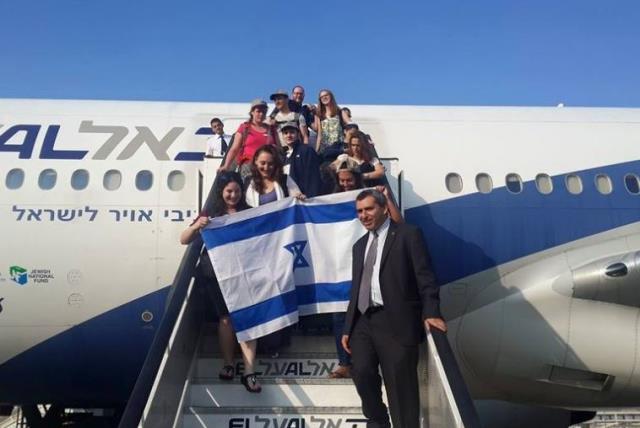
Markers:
{"x": 305, "y": 169}
{"x": 407, "y": 283}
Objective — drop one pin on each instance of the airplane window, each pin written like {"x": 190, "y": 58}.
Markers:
{"x": 47, "y": 179}
{"x": 514, "y": 183}
{"x": 112, "y": 179}
{"x": 574, "y": 184}
{"x": 453, "y": 182}
{"x": 544, "y": 184}
{"x": 631, "y": 182}
{"x": 176, "y": 180}
{"x": 144, "y": 180}
{"x": 603, "y": 184}
{"x": 14, "y": 179}
{"x": 79, "y": 179}
{"x": 484, "y": 183}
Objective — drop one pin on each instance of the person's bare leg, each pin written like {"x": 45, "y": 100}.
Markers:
{"x": 227, "y": 340}
{"x": 249, "y": 379}
{"x": 249, "y": 355}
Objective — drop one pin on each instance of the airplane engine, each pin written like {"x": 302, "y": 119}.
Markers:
{"x": 559, "y": 331}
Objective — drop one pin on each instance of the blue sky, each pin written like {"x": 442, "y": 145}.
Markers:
{"x": 512, "y": 52}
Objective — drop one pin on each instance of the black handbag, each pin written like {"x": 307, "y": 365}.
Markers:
{"x": 205, "y": 266}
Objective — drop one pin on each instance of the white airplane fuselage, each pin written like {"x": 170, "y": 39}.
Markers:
{"x": 539, "y": 278}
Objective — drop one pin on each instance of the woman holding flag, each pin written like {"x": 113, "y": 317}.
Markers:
{"x": 228, "y": 199}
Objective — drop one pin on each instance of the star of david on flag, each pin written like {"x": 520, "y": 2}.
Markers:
{"x": 296, "y": 248}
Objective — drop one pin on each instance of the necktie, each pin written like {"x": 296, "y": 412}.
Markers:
{"x": 364, "y": 294}
{"x": 223, "y": 146}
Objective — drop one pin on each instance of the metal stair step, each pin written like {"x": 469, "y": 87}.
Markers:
{"x": 288, "y": 417}
{"x": 306, "y": 365}
{"x": 276, "y": 392}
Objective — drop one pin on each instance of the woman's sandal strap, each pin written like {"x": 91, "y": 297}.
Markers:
{"x": 251, "y": 378}
{"x": 227, "y": 373}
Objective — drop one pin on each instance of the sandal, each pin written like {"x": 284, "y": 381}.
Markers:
{"x": 250, "y": 382}
{"x": 342, "y": 372}
{"x": 226, "y": 373}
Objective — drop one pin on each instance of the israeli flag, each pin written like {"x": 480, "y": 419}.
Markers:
{"x": 284, "y": 259}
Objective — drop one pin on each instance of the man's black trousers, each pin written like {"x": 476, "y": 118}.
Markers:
{"x": 373, "y": 344}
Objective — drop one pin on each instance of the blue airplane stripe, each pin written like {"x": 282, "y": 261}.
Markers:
{"x": 475, "y": 232}
{"x": 77, "y": 366}
{"x": 190, "y": 156}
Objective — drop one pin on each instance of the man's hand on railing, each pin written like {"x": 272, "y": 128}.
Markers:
{"x": 435, "y": 323}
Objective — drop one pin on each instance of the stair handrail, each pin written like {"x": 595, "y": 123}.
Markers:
{"x": 139, "y": 397}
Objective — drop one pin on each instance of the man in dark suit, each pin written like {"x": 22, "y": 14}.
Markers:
{"x": 394, "y": 297}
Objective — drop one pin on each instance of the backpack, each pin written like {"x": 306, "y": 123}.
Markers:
{"x": 243, "y": 137}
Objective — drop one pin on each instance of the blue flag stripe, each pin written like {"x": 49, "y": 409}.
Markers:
{"x": 275, "y": 221}
{"x": 286, "y": 303}
{"x": 324, "y": 292}
{"x": 264, "y": 311}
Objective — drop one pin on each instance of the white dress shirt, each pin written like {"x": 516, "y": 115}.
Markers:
{"x": 376, "y": 293}
{"x": 214, "y": 144}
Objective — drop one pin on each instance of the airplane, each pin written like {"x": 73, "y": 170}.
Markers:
{"x": 531, "y": 216}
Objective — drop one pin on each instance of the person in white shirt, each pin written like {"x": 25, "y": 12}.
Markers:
{"x": 219, "y": 142}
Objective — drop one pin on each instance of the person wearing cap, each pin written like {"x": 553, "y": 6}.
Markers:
{"x": 302, "y": 162}
{"x": 296, "y": 100}
{"x": 251, "y": 135}
{"x": 283, "y": 115}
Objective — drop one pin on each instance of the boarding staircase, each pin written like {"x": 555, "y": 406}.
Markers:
{"x": 179, "y": 387}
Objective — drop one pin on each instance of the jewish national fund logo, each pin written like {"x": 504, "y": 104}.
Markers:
{"x": 18, "y": 275}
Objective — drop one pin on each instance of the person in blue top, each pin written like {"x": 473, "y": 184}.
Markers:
{"x": 302, "y": 163}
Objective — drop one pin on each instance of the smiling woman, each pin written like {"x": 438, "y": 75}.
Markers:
{"x": 268, "y": 182}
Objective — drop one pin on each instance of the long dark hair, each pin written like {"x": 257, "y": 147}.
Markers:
{"x": 218, "y": 207}
{"x": 256, "y": 178}
{"x": 365, "y": 149}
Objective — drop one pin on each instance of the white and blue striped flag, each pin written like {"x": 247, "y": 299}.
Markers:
{"x": 284, "y": 259}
